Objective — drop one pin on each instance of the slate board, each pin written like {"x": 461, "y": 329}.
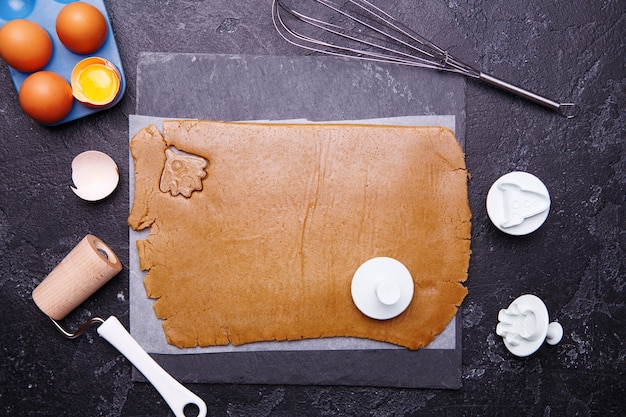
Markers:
{"x": 245, "y": 87}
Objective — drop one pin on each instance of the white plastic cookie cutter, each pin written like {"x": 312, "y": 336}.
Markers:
{"x": 524, "y": 326}
{"x": 382, "y": 288}
{"x": 518, "y": 203}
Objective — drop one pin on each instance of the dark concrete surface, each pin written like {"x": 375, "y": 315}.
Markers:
{"x": 567, "y": 50}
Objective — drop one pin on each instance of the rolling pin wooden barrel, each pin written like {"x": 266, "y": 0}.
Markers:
{"x": 84, "y": 270}
{"x": 89, "y": 266}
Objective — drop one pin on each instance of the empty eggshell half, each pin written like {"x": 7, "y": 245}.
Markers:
{"x": 95, "y": 175}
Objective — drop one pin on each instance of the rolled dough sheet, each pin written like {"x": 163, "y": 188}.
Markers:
{"x": 323, "y": 361}
{"x": 150, "y": 333}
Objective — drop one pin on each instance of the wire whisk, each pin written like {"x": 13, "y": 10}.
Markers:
{"x": 359, "y": 29}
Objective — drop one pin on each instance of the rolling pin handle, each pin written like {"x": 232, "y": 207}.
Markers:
{"x": 175, "y": 394}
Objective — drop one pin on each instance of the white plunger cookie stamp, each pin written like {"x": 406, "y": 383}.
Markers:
{"x": 524, "y": 326}
{"x": 382, "y": 288}
{"x": 518, "y": 203}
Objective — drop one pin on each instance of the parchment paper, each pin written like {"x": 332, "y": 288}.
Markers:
{"x": 214, "y": 86}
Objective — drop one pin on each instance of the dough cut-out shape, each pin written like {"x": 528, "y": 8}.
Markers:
{"x": 287, "y": 213}
{"x": 182, "y": 173}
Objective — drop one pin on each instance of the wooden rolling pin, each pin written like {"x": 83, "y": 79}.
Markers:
{"x": 89, "y": 266}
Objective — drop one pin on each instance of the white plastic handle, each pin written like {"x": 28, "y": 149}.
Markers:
{"x": 174, "y": 393}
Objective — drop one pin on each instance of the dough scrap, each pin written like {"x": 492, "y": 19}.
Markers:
{"x": 266, "y": 249}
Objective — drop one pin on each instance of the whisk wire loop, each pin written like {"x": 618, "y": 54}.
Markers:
{"x": 361, "y": 30}
{"x": 375, "y": 35}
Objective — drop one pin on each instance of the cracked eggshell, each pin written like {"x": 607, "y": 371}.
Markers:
{"x": 95, "y": 175}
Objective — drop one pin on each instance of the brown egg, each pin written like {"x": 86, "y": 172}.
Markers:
{"x": 46, "y": 97}
{"x": 81, "y": 27}
{"x": 24, "y": 45}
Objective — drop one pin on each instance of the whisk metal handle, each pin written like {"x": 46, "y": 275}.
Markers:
{"x": 568, "y": 110}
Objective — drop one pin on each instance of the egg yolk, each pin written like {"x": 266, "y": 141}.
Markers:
{"x": 98, "y": 83}
{"x": 95, "y": 82}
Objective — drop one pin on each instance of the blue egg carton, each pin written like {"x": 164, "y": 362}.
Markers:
{"x": 44, "y": 12}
